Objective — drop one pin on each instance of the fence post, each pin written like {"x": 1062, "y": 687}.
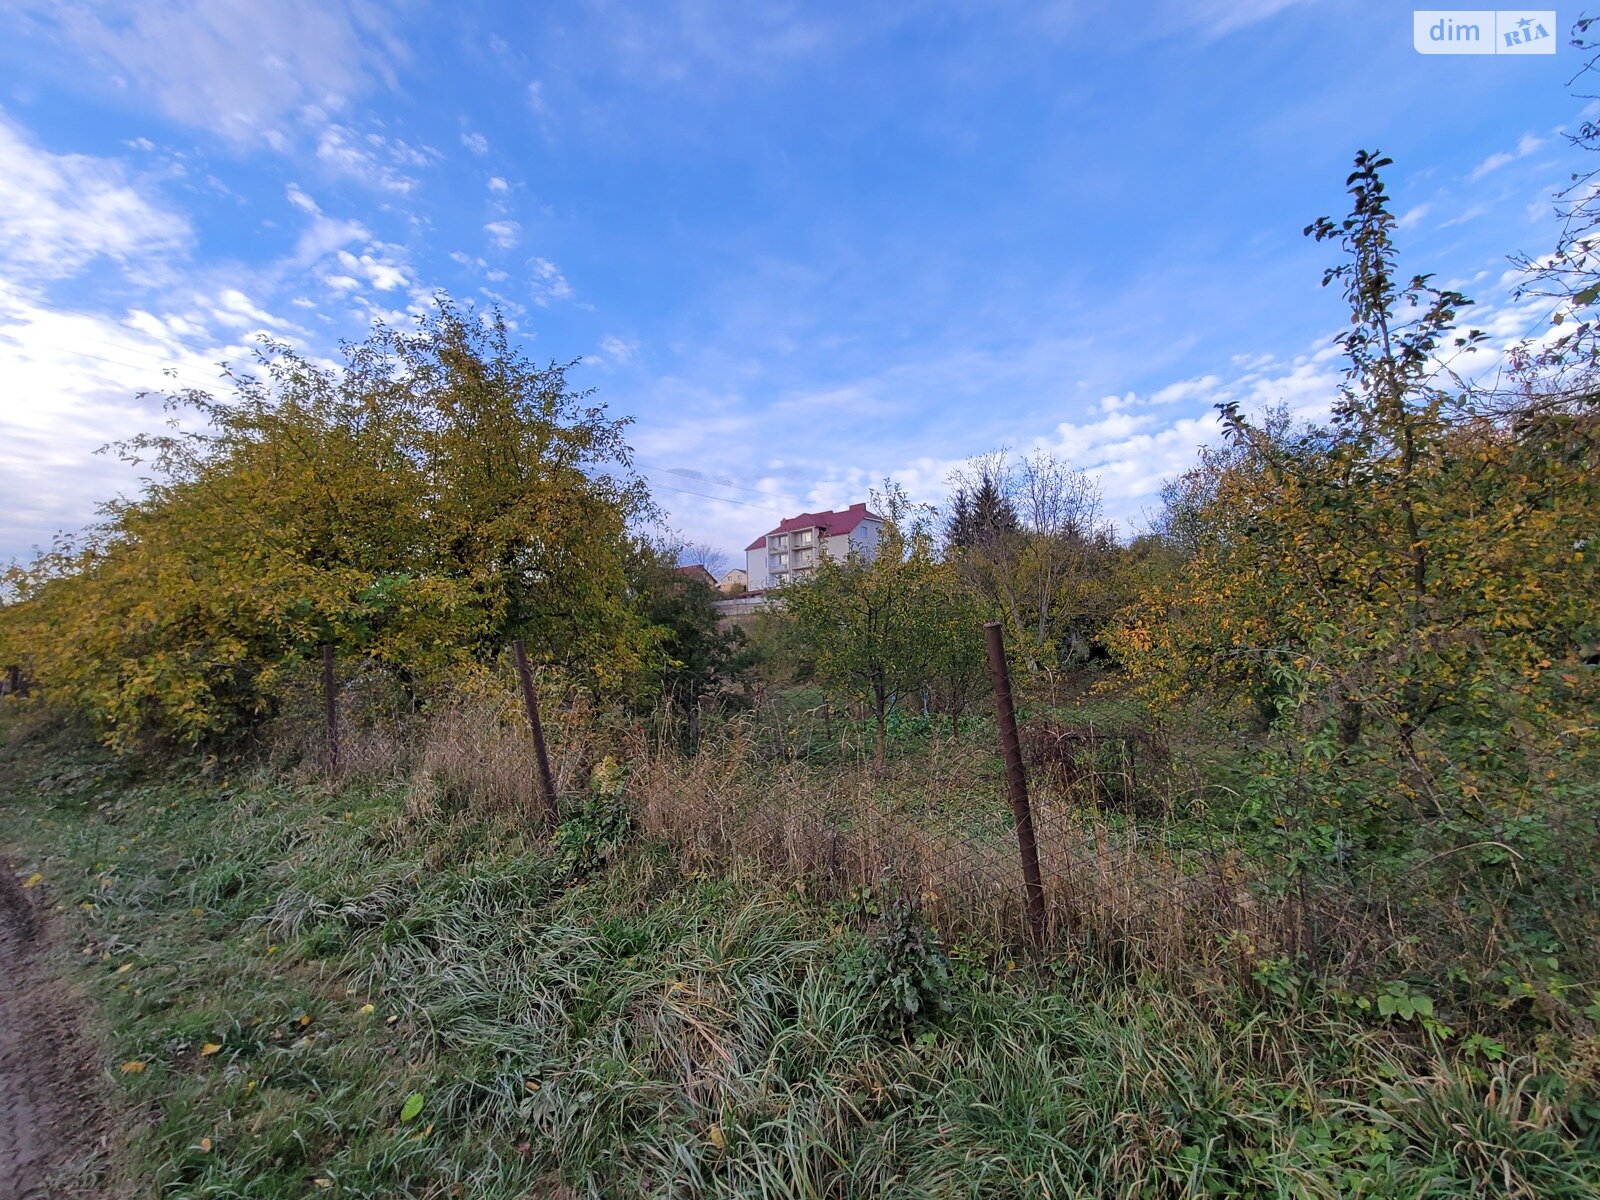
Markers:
{"x": 1016, "y": 779}
{"x": 14, "y": 680}
{"x": 530, "y": 701}
{"x": 330, "y": 700}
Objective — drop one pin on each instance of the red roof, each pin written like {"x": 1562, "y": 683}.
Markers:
{"x": 833, "y": 524}
{"x": 697, "y": 571}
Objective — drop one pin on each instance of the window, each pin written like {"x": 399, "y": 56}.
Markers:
{"x": 778, "y": 541}
{"x": 803, "y": 538}
{"x": 777, "y": 562}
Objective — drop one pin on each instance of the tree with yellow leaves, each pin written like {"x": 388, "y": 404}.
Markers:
{"x": 1420, "y": 572}
{"x": 421, "y": 507}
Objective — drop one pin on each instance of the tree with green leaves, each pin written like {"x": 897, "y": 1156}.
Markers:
{"x": 982, "y": 515}
{"x": 871, "y": 621}
{"x": 1027, "y": 536}
{"x": 957, "y": 659}
{"x": 694, "y": 655}
{"x": 1407, "y": 573}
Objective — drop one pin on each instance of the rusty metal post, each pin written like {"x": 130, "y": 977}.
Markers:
{"x": 330, "y": 700}
{"x": 530, "y": 701}
{"x": 1016, "y": 778}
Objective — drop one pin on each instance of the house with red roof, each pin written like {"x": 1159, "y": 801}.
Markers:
{"x": 793, "y": 549}
{"x": 698, "y": 573}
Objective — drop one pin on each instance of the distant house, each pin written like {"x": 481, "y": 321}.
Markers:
{"x": 735, "y": 581}
{"x": 793, "y": 549}
{"x": 698, "y": 573}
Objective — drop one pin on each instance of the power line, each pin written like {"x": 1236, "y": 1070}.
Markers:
{"x": 720, "y": 499}
{"x": 686, "y": 471}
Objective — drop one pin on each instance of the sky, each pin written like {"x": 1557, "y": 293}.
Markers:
{"x": 805, "y": 246}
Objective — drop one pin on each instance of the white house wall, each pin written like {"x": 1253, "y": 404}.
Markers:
{"x": 755, "y": 565}
{"x": 864, "y": 537}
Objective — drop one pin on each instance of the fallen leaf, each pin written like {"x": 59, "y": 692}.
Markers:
{"x": 411, "y": 1107}
{"x": 304, "y": 1019}
{"x": 124, "y": 967}
{"x": 205, "y": 1145}
{"x": 132, "y": 1067}
{"x": 365, "y": 1010}
{"x": 715, "y": 1134}
{"x": 31, "y": 880}
{"x": 320, "y": 1182}
{"x": 210, "y": 1048}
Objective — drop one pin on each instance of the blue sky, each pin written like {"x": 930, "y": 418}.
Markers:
{"x": 804, "y": 245}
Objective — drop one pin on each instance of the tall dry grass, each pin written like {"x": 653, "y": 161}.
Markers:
{"x": 469, "y": 751}
{"x": 933, "y": 824}
{"x": 936, "y": 825}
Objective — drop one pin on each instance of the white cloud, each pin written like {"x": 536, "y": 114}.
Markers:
{"x": 497, "y": 184}
{"x": 380, "y": 273}
{"x": 239, "y": 68}
{"x": 548, "y": 283}
{"x": 1219, "y": 17}
{"x": 614, "y": 352}
{"x": 1472, "y": 213}
{"x": 232, "y": 308}
{"x": 325, "y": 234}
{"x": 341, "y": 149}
{"x": 60, "y": 211}
{"x": 1526, "y": 146}
{"x": 504, "y": 234}
{"x": 1186, "y": 389}
{"x": 475, "y": 142}
{"x": 1413, "y": 216}
{"x": 72, "y": 384}
{"x": 302, "y": 201}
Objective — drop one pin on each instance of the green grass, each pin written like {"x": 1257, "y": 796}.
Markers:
{"x": 639, "y": 1031}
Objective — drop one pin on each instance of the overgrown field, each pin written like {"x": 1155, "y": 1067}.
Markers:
{"x": 303, "y": 992}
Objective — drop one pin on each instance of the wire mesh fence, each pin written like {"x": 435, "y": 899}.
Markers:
{"x": 795, "y": 785}
{"x": 1141, "y": 858}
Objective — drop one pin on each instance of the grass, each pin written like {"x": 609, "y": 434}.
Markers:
{"x": 646, "y": 1029}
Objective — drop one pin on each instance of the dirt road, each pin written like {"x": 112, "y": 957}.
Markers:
{"x": 50, "y": 1123}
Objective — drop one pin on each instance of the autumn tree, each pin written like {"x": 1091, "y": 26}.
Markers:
{"x": 956, "y": 660}
{"x": 870, "y": 621}
{"x": 694, "y": 654}
{"x": 1027, "y": 536}
{"x": 1406, "y": 572}
{"x": 434, "y": 498}
{"x": 982, "y": 514}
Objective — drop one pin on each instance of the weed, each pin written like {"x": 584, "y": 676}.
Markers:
{"x": 292, "y": 965}
{"x": 904, "y": 970}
